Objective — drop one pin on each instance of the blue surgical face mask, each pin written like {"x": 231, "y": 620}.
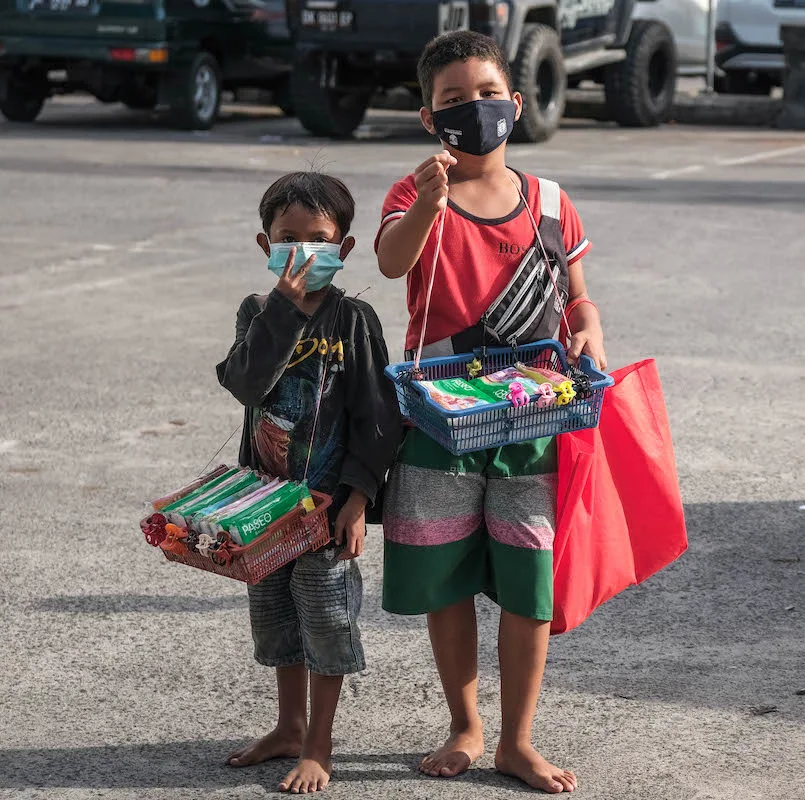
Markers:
{"x": 322, "y": 270}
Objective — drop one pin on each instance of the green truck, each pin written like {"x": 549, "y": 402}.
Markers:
{"x": 144, "y": 53}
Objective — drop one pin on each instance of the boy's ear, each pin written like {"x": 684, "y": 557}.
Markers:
{"x": 346, "y": 247}
{"x": 517, "y": 99}
{"x": 426, "y": 118}
{"x": 263, "y": 244}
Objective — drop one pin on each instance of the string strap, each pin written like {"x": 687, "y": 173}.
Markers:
{"x": 430, "y": 288}
{"x": 318, "y": 399}
{"x": 206, "y": 467}
{"x": 321, "y": 385}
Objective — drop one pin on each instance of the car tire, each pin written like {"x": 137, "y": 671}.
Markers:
{"x": 640, "y": 90}
{"x": 538, "y": 74}
{"x": 197, "y": 94}
{"x": 323, "y": 110}
{"x": 23, "y": 94}
{"x": 281, "y": 95}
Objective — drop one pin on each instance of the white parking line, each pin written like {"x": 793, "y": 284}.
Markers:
{"x": 670, "y": 173}
{"x": 26, "y": 297}
{"x": 764, "y": 156}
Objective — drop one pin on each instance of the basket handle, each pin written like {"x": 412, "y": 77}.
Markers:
{"x": 436, "y": 253}
{"x": 438, "y": 250}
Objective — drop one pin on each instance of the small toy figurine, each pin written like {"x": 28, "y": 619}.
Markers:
{"x": 474, "y": 368}
{"x": 517, "y": 395}
{"x": 546, "y": 397}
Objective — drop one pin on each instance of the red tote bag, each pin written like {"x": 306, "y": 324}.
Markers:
{"x": 619, "y": 508}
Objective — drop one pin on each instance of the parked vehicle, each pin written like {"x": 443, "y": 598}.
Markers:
{"x": 347, "y": 49}
{"x": 687, "y": 21}
{"x": 144, "y": 53}
{"x": 748, "y": 47}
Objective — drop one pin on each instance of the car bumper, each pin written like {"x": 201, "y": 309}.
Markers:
{"x": 752, "y": 61}
{"x": 62, "y": 52}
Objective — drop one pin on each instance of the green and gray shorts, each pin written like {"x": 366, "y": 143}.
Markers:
{"x": 457, "y": 526}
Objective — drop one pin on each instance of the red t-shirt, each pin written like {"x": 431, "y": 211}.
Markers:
{"x": 478, "y": 258}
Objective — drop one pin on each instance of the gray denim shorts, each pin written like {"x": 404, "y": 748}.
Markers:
{"x": 307, "y": 612}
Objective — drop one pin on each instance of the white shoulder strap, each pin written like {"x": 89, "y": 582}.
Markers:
{"x": 550, "y": 200}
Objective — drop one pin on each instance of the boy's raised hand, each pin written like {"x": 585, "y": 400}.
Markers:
{"x": 293, "y": 285}
{"x": 350, "y": 526}
{"x": 430, "y": 178}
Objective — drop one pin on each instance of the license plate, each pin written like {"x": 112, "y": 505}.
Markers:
{"x": 327, "y": 19}
{"x": 60, "y": 6}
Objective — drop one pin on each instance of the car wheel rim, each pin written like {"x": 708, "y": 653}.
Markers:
{"x": 205, "y": 93}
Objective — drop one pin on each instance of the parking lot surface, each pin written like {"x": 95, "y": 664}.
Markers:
{"x": 126, "y": 249}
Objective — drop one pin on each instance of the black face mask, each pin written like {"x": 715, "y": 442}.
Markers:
{"x": 476, "y": 128}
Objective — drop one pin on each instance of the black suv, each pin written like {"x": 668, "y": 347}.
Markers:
{"x": 144, "y": 53}
{"x": 348, "y": 49}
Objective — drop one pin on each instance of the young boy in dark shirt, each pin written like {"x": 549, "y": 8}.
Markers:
{"x": 307, "y": 363}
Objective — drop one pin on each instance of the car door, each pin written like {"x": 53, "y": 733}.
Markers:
{"x": 757, "y": 22}
{"x": 687, "y": 21}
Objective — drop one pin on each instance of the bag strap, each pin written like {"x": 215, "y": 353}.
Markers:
{"x": 544, "y": 250}
{"x": 550, "y": 199}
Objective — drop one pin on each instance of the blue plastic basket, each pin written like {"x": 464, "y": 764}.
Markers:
{"x": 501, "y": 423}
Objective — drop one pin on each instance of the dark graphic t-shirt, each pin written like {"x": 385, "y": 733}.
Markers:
{"x": 281, "y": 359}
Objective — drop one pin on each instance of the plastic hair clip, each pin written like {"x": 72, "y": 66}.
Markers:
{"x": 517, "y": 395}
{"x": 474, "y": 368}
{"x": 546, "y": 396}
{"x": 583, "y": 386}
{"x": 565, "y": 393}
{"x": 153, "y": 528}
{"x": 174, "y": 541}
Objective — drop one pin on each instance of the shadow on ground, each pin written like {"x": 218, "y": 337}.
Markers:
{"x": 199, "y": 765}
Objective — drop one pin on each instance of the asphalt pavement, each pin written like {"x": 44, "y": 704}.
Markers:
{"x": 125, "y": 249}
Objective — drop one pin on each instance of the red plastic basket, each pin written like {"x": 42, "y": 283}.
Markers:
{"x": 284, "y": 540}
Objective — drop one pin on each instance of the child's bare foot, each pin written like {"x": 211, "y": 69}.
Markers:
{"x": 277, "y": 744}
{"x": 525, "y": 763}
{"x": 312, "y": 773}
{"x": 455, "y": 756}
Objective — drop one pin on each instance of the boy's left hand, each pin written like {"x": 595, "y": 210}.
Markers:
{"x": 350, "y": 526}
{"x": 588, "y": 341}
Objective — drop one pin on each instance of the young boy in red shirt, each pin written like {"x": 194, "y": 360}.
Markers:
{"x": 457, "y": 526}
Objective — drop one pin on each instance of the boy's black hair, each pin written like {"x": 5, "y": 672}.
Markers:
{"x": 457, "y": 46}
{"x": 318, "y": 193}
